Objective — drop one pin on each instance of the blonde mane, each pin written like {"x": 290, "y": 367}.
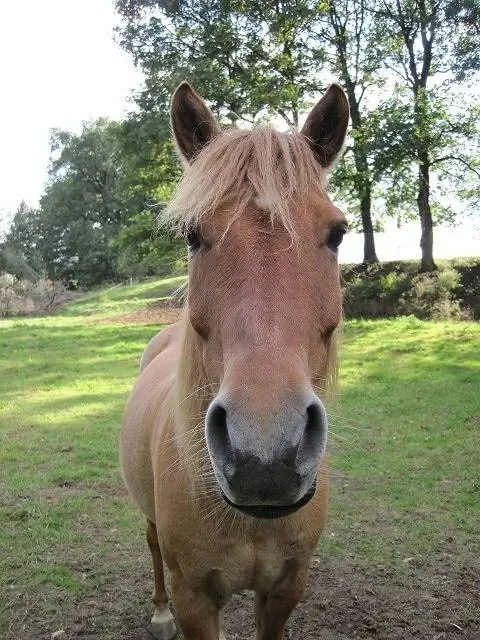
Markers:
{"x": 241, "y": 166}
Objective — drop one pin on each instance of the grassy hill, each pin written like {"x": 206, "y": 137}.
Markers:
{"x": 123, "y": 298}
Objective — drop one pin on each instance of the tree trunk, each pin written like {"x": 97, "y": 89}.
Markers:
{"x": 364, "y": 190}
{"x": 423, "y": 201}
{"x": 369, "y": 253}
{"x": 364, "y": 184}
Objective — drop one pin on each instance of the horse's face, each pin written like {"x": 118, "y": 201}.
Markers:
{"x": 264, "y": 305}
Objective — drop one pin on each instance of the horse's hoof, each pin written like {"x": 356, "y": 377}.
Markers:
{"x": 163, "y": 626}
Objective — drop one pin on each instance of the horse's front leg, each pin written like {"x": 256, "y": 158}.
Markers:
{"x": 198, "y": 615}
{"x": 273, "y": 609}
{"x": 163, "y": 626}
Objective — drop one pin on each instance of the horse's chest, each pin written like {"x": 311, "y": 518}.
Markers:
{"x": 269, "y": 568}
{"x": 247, "y": 566}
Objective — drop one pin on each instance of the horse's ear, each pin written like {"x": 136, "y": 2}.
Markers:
{"x": 326, "y": 125}
{"x": 193, "y": 123}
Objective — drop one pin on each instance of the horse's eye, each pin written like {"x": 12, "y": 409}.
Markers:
{"x": 335, "y": 237}
{"x": 193, "y": 238}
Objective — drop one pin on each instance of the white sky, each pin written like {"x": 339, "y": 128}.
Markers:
{"x": 59, "y": 66}
{"x": 462, "y": 240}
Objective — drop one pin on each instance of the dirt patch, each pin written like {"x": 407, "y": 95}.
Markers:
{"x": 344, "y": 601}
{"x": 162, "y": 312}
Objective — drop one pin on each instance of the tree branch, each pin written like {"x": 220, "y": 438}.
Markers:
{"x": 457, "y": 159}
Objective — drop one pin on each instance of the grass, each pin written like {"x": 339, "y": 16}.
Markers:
{"x": 120, "y": 299}
{"x": 405, "y": 443}
{"x": 406, "y": 457}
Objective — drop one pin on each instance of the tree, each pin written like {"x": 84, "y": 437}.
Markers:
{"x": 255, "y": 59}
{"x": 424, "y": 39}
{"x": 151, "y": 166}
{"x": 99, "y": 179}
{"x": 355, "y": 56}
{"x": 85, "y": 202}
{"x": 249, "y": 58}
{"x": 153, "y": 170}
{"x": 21, "y": 251}
{"x": 143, "y": 251}
{"x": 94, "y": 160}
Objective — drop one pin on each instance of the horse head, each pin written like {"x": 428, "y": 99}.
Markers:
{"x": 264, "y": 296}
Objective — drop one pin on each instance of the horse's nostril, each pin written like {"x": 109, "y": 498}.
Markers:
{"x": 313, "y": 416}
{"x": 315, "y": 434}
{"x": 218, "y": 439}
{"x": 218, "y": 417}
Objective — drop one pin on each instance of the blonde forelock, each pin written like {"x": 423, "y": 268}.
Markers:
{"x": 243, "y": 166}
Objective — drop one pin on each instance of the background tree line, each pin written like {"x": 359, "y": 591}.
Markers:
{"x": 409, "y": 69}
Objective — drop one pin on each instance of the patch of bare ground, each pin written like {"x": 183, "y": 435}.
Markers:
{"x": 162, "y": 312}
{"x": 344, "y": 601}
{"x": 63, "y": 491}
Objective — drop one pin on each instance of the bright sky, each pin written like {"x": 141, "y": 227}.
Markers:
{"x": 59, "y": 66}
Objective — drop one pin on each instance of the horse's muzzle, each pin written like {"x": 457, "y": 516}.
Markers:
{"x": 266, "y": 467}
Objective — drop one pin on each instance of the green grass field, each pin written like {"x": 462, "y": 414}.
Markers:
{"x": 405, "y": 455}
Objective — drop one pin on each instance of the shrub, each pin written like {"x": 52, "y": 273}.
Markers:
{"x": 374, "y": 292}
{"x": 396, "y": 288}
{"x": 432, "y": 296}
{"x": 23, "y": 297}
{"x": 468, "y": 291}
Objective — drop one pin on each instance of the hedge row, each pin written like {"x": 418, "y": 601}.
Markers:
{"x": 397, "y": 288}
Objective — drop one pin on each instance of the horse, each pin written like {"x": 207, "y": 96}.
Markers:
{"x": 223, "y": 443}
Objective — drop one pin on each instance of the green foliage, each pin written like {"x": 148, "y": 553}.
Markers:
{"x": 248, "y": 58}
{"x": 152, "y": 168}
{"x": 144, "y": 250}
{"x": 356, "y": 57}
{"x": 432, "y": 296}
{"x": 85, "y": 203}
{"x": 465, "y": 14}
{"x": 99, "y": 180}
{"x": 414, "y": 141}
{"x": 372, "y": 292}
{"x": 261, "y": 60}
{"x": 21, "y": 251}
{"x": 449, "y": 141}
{"x": 429, "y": 126}
{"x": 254, "y": 60}
{"x": 468, "y": 291}
{"x": 15, "y": 262}
{"x": 394, "y": 289}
